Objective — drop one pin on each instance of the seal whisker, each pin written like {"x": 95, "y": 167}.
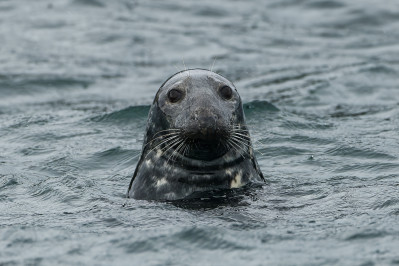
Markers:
{"x": 171, "y": 145}
{"x": 240, "y": 141}
{"x": 249, "y": 146}
{"x": 176, "y": 150}
{"x": 253, "y": 140}
{"x": 243, "y": 140}
{"x": 242, "y": 135}
{"x": 214, "y": 60}
{"x": 137, "y": 155}
{"x": 240, "y": 129}
{"x": 241, "y": 132}
{"x": 236, "y": 129}
{"x": 163, "y": 139}
{"x": 257, "y": 141}
{"x": 228, "y": 145}
{"x": 176, "y": 144}
{"x": 167, "y": 130}
{"x": 186, "y": 149}
{"x": 182, "y": 148}
{"x": 249, "y": 139}
{"x": 237, "y": 126}
{"x": 162, "y": 142}
{"x": 167, "y": 134}
{"x": 160, "y": 137}
{"x": 240, "y": 126}
{"x": 185, "y": 68}
{"x": 237, "y": 147}
{"x": 225, "y": 144}
{"x": 248, "y": 128}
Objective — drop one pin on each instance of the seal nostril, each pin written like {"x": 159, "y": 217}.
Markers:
{"x": 205, "y": 124}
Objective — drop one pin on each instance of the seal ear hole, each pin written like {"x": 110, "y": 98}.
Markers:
{"x": 226, "y": 92}
{"x": 175, "y": 95}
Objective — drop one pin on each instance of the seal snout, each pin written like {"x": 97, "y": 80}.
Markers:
{"x": 205, "y": 124}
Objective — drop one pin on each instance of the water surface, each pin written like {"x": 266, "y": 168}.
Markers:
{"x": 320, "y": 87}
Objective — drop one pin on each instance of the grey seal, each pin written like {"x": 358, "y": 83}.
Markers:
{"x": 196, "y": 140}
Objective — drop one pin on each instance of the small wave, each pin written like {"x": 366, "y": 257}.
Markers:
{"x": 141, "y": 246}
{"x": 7, "y": 181}
{"x": 209, "y": 12}
{"x": 348, "y": 151}
{"x": 130, "y": 114}
{"x": 380, "y": 69}
{"x": 343, "y": 110}
{"x": 112, "y": 222}
{"x": 209, "y": 238}
{"x": 384, "y": 177}
{"x": 387, "y": 203}
{"x": 6, "y": 8}
{"x": 114, "y": 157}
{"x": 310, "y": 139}
{"x": 49, "y": 24}
{"x": 259, "y": 106}
{"x": 26, "y": 84}
{"x": 37, "y": 150}
{"x": 324, "y": 4}
{"x": 360, "y": 18}
{"x": 43, "y": 192}
{"x": 367, "y": 234}
{"x": 288, "y": 123}
{"x": 92, "y": 3}
{"x": 342, "y": 179}
{"x": 368, "y": 167}
{"x": 276, "y": 151}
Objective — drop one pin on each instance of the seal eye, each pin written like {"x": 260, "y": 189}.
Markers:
{"x": 174, "y": 95}
{"x": 226, "y": 92}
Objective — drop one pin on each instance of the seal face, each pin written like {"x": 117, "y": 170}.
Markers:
{"x": 196, "y": 140}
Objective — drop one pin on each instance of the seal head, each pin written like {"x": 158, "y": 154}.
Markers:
{"x": 196, "y": 139}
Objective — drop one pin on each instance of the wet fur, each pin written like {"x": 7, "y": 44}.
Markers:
{"x": 173, "y": 165}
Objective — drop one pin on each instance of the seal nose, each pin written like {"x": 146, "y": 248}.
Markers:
{"x": 205, "y": 124}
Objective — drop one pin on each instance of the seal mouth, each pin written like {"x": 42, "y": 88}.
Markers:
{"x": 206, "y": 150}
{"x": 206, "y": 142}
{"x": 179, "y": 144}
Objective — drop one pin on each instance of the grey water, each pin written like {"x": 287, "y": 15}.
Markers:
{"x": 319, "y": 81}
